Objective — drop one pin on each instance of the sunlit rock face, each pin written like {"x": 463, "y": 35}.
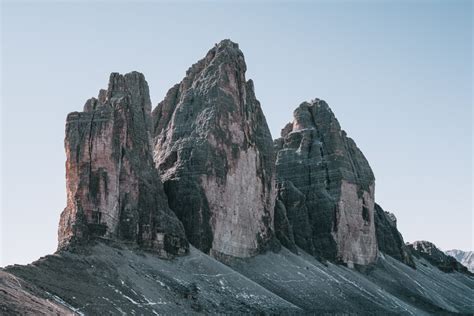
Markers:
{"x": 113, "y": 189}
{"x": 215, "y": 155}
{"x": 326, "y": 186}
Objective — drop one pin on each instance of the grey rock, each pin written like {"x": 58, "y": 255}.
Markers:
{"x": 113, "y": 189}
{"x": 114, "y": 278}
{"x": 389, "y": 239}
{"x": 215, "y": 155}
{"x": 18, "y": 297}
{"x": 327, "y": 187}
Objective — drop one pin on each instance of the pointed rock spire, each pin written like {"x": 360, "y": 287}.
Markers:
{"x": 113, "y": 189}
{"x": 327, "y": 187}
{"x": 215, "y": 154}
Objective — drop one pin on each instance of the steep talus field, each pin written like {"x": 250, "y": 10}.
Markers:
{"x": 122, "y": 280}
{"x": 119, "y": 279}
{"x": 326, "y": 188}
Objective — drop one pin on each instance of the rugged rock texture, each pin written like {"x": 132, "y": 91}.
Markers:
{"x": 214, "y": 151}
{"x": 436, "y": 257}
{"x": 119, "y": 242}
{"x": 389, "y": 239}
{"x": 466, "y": 258}
{"x": 113, "y": 189}
{"x": 326, "y": 186}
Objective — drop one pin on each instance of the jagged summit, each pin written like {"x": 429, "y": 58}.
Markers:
{"x": 214, "y": 152}
{"x": 326, "y": 187}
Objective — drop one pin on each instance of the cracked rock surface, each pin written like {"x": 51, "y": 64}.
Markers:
{"x": 215, "y": 155}
{"x": 327, "y": 188}
{"x": 113, "y": 189}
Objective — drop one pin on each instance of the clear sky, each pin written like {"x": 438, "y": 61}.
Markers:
{"x": 397, "y": 74}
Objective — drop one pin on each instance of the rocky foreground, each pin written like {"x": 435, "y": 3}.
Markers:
{"x": 193, "y": 208}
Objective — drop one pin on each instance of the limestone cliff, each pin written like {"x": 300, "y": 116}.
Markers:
{"x": 215, "y": 155}
{"x": 326, "y": 186}
{"x": 113, "y": 189}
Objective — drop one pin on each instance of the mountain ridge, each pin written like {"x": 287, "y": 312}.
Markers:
{"x": 193, "y": 208}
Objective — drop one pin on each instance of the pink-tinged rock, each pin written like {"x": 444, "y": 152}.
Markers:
{"x": 215, "y": 154}
{"x": 113, "y": 189}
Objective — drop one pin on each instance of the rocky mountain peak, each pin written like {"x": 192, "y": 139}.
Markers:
{"x": 113, "y": 189}
{"x": 214, "y": 152}
{"x": 326, "y": 187}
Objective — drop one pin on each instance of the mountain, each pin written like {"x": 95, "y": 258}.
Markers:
{"x": 326, "y": 186}
{"x": 214, "y": 152}
{"x": 113, "y": 189}
{"x": 192, "y": 208}
{"x": 466, "y": 258}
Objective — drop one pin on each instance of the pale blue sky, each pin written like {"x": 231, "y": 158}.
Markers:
{"x": 397, "y": 74}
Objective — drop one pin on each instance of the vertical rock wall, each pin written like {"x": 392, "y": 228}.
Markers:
{"x": 113, "y": 189}
{"x": 214, "y": 151}
{"x": 327, "y": 187}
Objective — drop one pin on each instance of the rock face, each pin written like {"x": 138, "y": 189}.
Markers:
{"x": 214, "y": 152}
{"x": 326, "y": 186}
{"x": 113, "y": 189}
{"x": 389, "y": 239}
{"x": 466, "y": 258}
{"x": 436, "y": 257}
